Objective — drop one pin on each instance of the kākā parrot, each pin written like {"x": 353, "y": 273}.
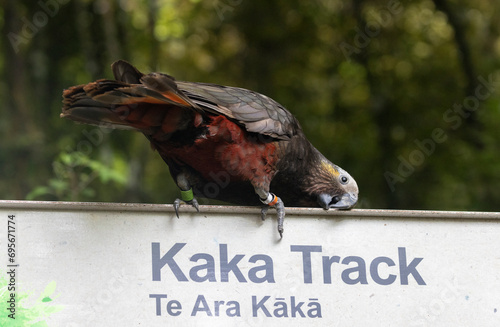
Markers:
{"x": 219, "y": 142}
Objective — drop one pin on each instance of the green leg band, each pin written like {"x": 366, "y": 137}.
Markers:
{"x": 187, "y": 195}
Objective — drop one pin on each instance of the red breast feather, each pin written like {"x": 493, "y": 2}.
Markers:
{"x": 225, "y": 148}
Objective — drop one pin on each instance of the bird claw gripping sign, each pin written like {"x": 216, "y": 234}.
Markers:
{"x": 207, "y": 132}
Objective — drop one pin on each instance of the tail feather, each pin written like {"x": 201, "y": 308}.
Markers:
{"x": 149, "y": 103}
{"x": 125, "y": 72}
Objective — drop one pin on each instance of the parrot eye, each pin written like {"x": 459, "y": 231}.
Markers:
{"x": 344, "y": 179}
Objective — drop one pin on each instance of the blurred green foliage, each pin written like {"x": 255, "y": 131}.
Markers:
{"x": 370, "y": 82}
{"x": 74, "y": 174}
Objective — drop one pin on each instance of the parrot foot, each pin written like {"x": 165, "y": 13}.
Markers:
{"x": 280, "y": 210}
{"x": 177, "y": 204}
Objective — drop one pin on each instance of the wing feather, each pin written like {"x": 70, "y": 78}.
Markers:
{"x": 257, "y": 112}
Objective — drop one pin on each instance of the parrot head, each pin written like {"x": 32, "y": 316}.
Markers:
{"x": 335, "y": 188}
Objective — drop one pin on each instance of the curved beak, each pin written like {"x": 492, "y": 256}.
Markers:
{"x": 346, "y": 201}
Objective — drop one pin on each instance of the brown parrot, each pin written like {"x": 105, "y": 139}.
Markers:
{"x": 219, "y": 142}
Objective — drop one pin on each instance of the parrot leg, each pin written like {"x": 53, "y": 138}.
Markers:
{"x": 186, "y": 194}
{"x": 271, "y": 200}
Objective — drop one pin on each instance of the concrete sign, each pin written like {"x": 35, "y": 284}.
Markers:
{"x": 97, "y": 264}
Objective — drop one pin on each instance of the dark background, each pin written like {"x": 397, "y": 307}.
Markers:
{"x": 404, "y": 95}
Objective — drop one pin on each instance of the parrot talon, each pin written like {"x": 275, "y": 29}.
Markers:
{"x": 280, "y": 209}
{"x": 274, "y": 201}
{"x": 193, "y": 203}
{"x": 177, "y": 204}
{"x": 263, "y": 212}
